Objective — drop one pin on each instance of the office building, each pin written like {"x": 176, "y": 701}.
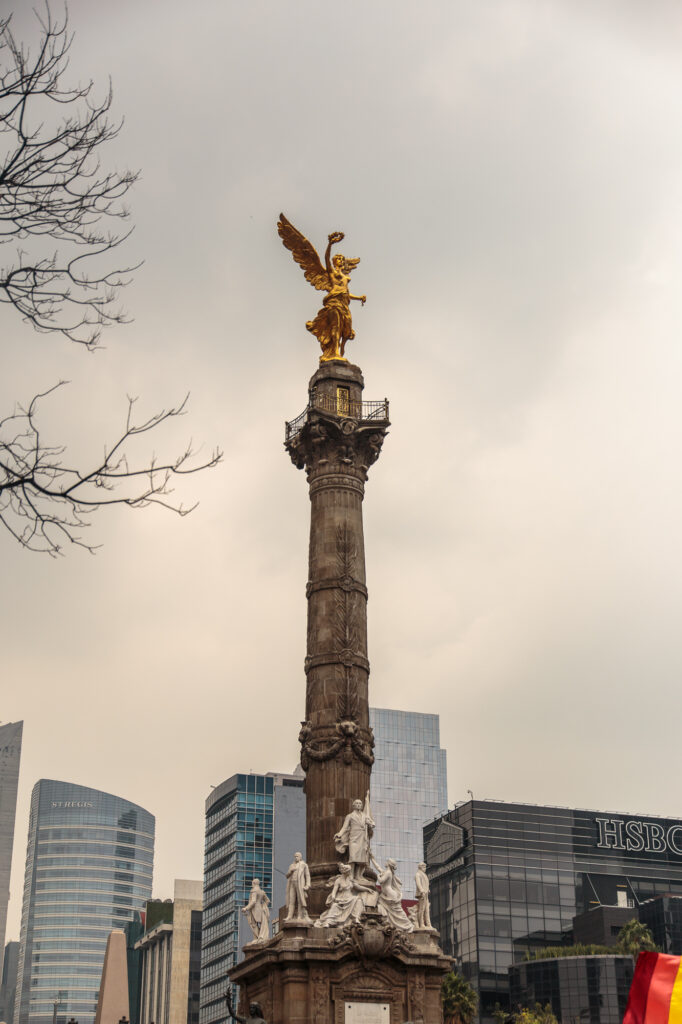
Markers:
{"x": 409, "y": 786}
{"x": 10, "y": 756}
{"x": 584, "y": 989}
{"x": 171, "y": 960}
{"x": 254, "y": 825}
{"x": 134, "y": 930}
{"x": 88, "y": 870}
{"x": 663, "y": 917}
{"x": 507, "y": 879}
{"x": 8, "y": 982}
{"x": 601, "y": 926}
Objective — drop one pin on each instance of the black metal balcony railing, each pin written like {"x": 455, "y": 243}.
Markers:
{"x": 339, "y": 406}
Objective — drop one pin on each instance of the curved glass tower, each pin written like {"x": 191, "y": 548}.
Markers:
{"x": 88, "y": 869}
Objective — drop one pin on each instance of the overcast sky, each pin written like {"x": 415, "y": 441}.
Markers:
{"x": 510, "y": 174}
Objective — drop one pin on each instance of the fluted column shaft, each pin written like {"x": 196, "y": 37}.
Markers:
{"x": 336, "y": 448}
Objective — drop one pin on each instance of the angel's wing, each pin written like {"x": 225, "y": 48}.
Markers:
{"x": 349, "y": 265}
{"x": 304, "y": 253}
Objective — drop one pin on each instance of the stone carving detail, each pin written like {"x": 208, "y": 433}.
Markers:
{"x": 345, "y": 627}
{"x": 257, "y": 912}
{"x": 417, "y": 991}
{"x": 372, "y": 938}
{"x": 327, "y": 440}
{"x": 320, "y": 995}
{"x": 326, "y": 747}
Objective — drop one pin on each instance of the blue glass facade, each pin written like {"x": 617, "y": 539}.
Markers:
{"x": 88, "y": 869}
{"x": 241, "y": 820}
{"x": 409, "y": 786}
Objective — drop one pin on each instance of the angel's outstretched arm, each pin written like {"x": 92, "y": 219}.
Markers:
{"x": 360, "y": 298}
{"x": 336, "y": 236}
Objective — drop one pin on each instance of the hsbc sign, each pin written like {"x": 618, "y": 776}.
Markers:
{"x": 639, "y": 836}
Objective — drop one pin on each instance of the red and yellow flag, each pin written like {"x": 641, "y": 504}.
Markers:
{"x": 656, "y": 990}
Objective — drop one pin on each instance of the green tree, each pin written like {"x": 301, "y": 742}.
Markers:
{"x": 635, "y": 937}
{"x": 459, "y": 999}
{"x": 538, "y": 1015}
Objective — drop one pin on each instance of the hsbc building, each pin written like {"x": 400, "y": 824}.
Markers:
{"x": 507, "y": 879}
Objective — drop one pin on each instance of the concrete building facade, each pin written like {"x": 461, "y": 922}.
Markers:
{"x": 10, "y": 756}
{"x": 89, "y": 867}
{"x": 8, "y": 982}
{"x": 171, "y": 959}
{"x": 409, "y": 786}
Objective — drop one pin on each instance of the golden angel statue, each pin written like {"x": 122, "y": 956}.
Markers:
{"x": 333, "y": 325}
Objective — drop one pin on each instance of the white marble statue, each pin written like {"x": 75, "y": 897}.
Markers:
{"x": 346, "y": 901}
{"x": 391, "y": 896}
{"x": 257, "y": 912}
{"x": 298, "y": 883}
{"x": 421, "y": 881}
{"x": 355, "y": 834}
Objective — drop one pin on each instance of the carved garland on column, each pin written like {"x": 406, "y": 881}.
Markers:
{"x": 348, "y": 739}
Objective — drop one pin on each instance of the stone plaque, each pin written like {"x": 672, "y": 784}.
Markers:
{"x": 367, "y": 1013}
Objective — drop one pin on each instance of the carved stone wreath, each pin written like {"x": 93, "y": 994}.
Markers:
{"x": 348, "y": 738}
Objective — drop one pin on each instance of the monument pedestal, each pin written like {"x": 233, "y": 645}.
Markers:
{"x": 366, "y": 972}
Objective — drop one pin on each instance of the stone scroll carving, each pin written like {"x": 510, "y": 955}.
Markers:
{"x": 327, "y": 441}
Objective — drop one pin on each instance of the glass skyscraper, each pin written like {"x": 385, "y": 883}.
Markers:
{"x": 10, "y": 755}
{"x": 254, "y": 825}
{"x": 409, "y": 786}
{"x": 509, "y": 879}
{"x": 88, "y": 869}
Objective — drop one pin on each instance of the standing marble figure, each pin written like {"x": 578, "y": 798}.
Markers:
{"x": 257, "y": 912}
{"x": 357, "y": 830}
{"x": 422, "y": 885}
{"x": 298, "y": 883}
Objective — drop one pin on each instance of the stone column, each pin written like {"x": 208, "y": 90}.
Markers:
{"x": 336, "y": 440}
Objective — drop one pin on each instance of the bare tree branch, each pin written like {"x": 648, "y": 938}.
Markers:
{"x": 45, "y": 503}
{"x": 57, "y": 206}
{"x": 55, "y": 199}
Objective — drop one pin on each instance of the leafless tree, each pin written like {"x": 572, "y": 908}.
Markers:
{"x": 57, "y": 208}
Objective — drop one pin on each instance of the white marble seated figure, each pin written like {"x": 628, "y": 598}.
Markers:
{"x": 257, "y": 912}
{"x": 391, "y": 895}
{"x": 346, "y": 901}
